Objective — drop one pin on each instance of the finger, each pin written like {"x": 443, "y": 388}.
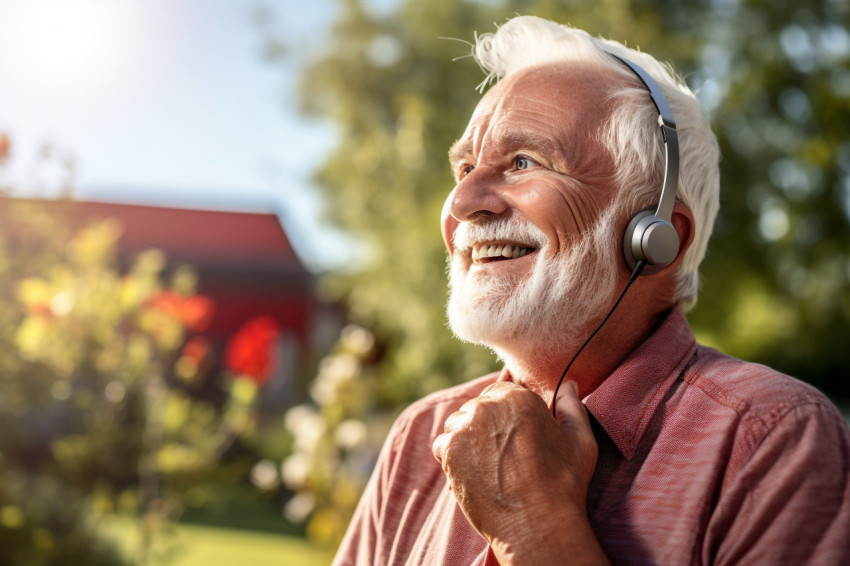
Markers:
{"x": 491, "y": 388}
{"x": 499, "y": 387}
{"x": 469, "y": 406}
{"x": 568, "y": 406}
{"x": 458, "y": 420}
{"x": 439, "y": 446}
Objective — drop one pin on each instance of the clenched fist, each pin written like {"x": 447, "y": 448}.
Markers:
{"x": 519, "y": 476}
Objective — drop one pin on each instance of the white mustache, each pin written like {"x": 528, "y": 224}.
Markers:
{"x": 514, "y": 230}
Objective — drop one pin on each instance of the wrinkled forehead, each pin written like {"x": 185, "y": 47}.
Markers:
{"x": 568, "y": 101}
{"x": 575, "y": 90}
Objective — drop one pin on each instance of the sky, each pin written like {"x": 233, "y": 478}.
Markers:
{"x": 169, "y": 102}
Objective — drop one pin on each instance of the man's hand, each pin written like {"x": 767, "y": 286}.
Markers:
{"x": 521, "y": 478}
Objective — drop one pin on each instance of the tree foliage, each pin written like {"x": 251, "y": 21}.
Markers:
{"x": 777, "y": 282}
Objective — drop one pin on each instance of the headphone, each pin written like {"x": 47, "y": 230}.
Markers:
{"x": 650, "y": 236}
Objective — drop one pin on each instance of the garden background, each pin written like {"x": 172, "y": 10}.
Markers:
{"x": 123, "y": 440}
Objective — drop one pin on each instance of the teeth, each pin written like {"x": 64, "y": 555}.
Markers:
{"x": 505, "y": 250}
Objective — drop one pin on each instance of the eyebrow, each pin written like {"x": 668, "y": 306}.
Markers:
{"x": 514, "y": 139}
{"x": 459, "y": 150}
{"x": 509, "y": 140}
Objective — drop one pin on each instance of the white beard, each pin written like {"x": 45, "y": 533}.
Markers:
{"x": 548, "y": 313}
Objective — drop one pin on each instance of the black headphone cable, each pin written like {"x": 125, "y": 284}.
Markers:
{"x": 635, "y": 273}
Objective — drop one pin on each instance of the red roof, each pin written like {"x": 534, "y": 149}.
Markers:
{"x": 199, "y": 234}
{"x": 243, "y": 260}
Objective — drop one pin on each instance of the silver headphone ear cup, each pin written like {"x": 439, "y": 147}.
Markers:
{"x": 628, "y": 240}
{"x": 651, "y": 239}
{"x": 660, "y": 243}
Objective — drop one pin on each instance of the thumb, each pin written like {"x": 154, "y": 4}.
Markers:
{"x": 569, "y": 409}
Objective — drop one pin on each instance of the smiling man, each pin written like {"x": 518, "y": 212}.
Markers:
{"x": 587, "y": 186}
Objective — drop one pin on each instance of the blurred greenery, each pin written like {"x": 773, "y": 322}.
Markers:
{"x": 216, "y": 546}
{"x": 775, "y": 77}
{"x": 103, "y": 410}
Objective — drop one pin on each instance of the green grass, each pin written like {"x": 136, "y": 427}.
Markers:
{"x": 237, "y": 528}
{"x": 213, "y": 546}
{"x": 196, "y": 545}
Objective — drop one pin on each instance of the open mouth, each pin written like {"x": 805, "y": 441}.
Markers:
{"x": 486, "y": 253}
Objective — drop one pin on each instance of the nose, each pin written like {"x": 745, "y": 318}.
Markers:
{"x": 477, "y": 195}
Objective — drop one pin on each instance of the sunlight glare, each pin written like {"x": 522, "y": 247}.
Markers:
{"x": 68, "y": 44}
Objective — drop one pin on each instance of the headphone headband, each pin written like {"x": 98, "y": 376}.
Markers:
{"x": 671, "y": 139}
{"x": 651, "y": 237}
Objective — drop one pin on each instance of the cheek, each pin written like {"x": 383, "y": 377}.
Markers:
{"x": 562, "y": 210}
{"x": 448, "y": 223}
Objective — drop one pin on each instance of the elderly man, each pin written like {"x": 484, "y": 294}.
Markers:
{"x": 587, "y": 185}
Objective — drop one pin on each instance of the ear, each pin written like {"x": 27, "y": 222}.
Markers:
{"x": 683, "y": 221}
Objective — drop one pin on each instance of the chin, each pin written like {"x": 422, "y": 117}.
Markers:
{"x": 546, "y": 313}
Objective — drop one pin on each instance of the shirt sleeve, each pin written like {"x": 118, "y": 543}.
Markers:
{"x": 790, "y": 502}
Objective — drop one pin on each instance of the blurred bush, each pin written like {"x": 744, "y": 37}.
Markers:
{"x": 110, "y": 399}
{"x": 337, "y": 437}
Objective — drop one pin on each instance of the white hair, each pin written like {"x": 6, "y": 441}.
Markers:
{"x": 630, "y": 134}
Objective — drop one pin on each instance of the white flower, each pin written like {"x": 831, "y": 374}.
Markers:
{"x": 295, "y": 470}
{"x": 351, "y": 433}
{"x": 299, "y": 507}
{"x": 341, "y": 366}
{"x": 357, "y": 339}
{"x": 264, "y": 475}
{"x": 297, "y": 415}
{"x": 115, "y": 391}
{"x": 62, "y": 303}
{"x": 334, "y": 372}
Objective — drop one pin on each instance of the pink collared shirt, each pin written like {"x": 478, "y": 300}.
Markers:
{"x": 703, "y": 459}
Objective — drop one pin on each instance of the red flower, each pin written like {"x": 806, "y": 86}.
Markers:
{"x": 199, "y": 350}
{"x": 194, "y": 312}
{"x": 251, "y": 350}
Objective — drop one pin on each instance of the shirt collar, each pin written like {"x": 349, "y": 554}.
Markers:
{"x": 625, "y": 402}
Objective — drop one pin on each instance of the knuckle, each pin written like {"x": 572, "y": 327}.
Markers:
{"x": 528, "y": 400}
{"x": 469, "y": 406}
{"x": 490, "y": 388}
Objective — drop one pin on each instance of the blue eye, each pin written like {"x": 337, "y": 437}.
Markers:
{"x": 466, "y": 170}
{"x": 522, "y": 163}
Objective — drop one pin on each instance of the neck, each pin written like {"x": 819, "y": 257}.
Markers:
{"x": 630, "y": 324}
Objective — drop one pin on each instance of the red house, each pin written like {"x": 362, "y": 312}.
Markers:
{"x": 245, "y": 264}
{"x": 244, "y": 261}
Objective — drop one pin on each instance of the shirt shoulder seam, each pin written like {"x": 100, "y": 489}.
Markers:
{"x": 757, "y": 424}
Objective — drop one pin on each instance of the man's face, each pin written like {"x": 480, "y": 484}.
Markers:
{"x": 532, "y": 182}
